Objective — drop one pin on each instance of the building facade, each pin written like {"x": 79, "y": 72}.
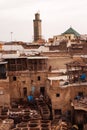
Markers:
{"x": 27, "y": 75}
{"x": 4, "y": 84}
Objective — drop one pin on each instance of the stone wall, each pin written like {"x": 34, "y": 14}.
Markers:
{"x": 61, "y": 97}
{"x": 27, "y": 80}
{"x": 4, "y": 92}
{"x": 58, "y": 62}
{"x": 38, "y": 80}
{"x": 18, "y": 81}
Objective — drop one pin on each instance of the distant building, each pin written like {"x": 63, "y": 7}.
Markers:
{"x": 68, "y": 93}
{"x": 58, "y": 38}
{"x": 69, "y": 35}
{"x": 37, "y": 28}
{"x": 26, "y": 74}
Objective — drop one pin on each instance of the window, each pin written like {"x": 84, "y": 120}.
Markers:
{"x": 14, "y": 78}
{"x": 12, "y": 68}
{"x": 80, "y": 94}
{"x": 42, "y": 90}
{"x": 2, "y": 71}
{"x": 23, "y": 82}
{"x": 11, "y": 61}
{"x": 58, "y": 95}
{"x": 57, "y": 112}
{"x": 31, "y": 81}
{"x": 18, "y": 61}
{"x": 38, "y": 78}
{"x": 69, "y": 37}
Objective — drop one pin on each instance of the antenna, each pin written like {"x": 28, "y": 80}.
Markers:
{"x": 11, "y": 36}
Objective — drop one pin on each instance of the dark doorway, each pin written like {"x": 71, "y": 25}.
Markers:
{"x": 42, "y": 90}
{"x": 25, "y": 91}
{"x": 80, "y": 126}
{"x": 14, "y": 78}
{"x": 39, "y": 78}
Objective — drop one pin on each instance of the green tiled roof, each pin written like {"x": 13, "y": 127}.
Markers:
{"x": 71, "y": 31}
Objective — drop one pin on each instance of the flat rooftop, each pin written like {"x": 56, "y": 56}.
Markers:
{"x": 80, "y": 104}
{"x": 64, "y": 77}
{"x": 37, "y": 57}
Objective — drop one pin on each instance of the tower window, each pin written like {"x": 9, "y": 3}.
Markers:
{"x": 14, "y": 78}
{"x": 39, "y": 78}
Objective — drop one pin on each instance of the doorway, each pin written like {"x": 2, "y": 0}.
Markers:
{"x": 80, "y": 126}
{"x": 25, "y": 91}
{"x": 42, "y": 90}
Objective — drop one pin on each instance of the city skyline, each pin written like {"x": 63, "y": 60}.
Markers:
{"x": 16, "y": 18}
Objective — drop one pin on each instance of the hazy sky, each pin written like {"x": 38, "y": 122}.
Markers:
{"x": 57, "y": 16}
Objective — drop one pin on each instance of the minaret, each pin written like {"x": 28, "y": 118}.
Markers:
{"x": 37, "y": 27}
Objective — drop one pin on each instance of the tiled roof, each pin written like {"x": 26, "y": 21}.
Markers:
{"x": 71, "y": 31}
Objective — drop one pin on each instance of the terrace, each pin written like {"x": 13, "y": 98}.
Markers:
{"x": 80, "y": 103}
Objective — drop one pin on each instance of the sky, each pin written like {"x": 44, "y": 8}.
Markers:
{"x": 57, "y": 16}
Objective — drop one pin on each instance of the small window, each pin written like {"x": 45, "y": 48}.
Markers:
{"x": 58, "y": 95}
{"x": 11, "y": 61}
{"x": 69, "y": 37}
{"x": 31, "y": 81}
{"x": 23, "y": 82}
{"x": 14, "y": 78}
{"x": 57, "y": 112}
{"x": 80, "y": 93}
{"x": 38, "y": 78}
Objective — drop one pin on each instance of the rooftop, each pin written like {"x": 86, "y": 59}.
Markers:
{"x": 77, "y": 63}
{"x": 37, "y": 57}
{"x": 80, "y": 104}
{"x": 64, "y": 77}
{"x": 3, "y": 62}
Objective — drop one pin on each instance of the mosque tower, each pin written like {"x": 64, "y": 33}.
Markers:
{"x": 37, "y": 28}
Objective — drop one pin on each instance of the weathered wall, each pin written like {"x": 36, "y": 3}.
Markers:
{"x": 58, "y": 62}
{"x": 26, "y": 79}
{"x": 66, "y": 95}
{"x": 22, "y": 81}
{"x": 62, "y": 101}
{"x": 78, "y": 88}
{"x": 38, "y": 83}
{"x": 4, "y": 92}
